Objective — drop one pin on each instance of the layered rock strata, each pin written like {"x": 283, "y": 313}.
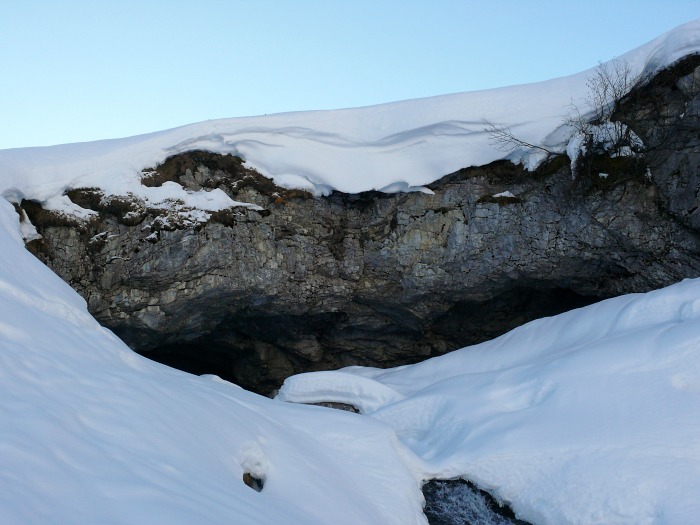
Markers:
{"x": 308, "y": 283}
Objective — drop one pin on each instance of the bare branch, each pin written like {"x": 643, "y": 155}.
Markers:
{"x": 594, "y": 126}
{"x": 607, "y": 87}
{"x": 502, "y": 138}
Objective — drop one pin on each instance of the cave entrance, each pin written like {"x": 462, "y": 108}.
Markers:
{"x": 472, "y": 322}
{"x": 258, "y": 351}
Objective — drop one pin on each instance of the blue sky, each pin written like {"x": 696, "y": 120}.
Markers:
{"x": 78, "y": 71}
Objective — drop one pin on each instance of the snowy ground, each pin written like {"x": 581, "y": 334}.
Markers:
{"x": 90, "y": 432}
{"x": 588, "y": 417}
{"x": 592, "y": 416}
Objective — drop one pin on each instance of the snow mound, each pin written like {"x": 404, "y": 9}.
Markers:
{"x": 402, "y": 146}
{"x": 339, "y": 386}
{"x": 92, "y": 433}
{"x": 587, "y": 417}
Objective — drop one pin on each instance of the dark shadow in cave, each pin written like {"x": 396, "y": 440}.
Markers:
{"x": 258, "y": 351}
{"x": 472, "y": 322}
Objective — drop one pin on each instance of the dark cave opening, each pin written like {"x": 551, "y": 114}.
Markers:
{"x": 257, "y": 350}
{"x": 472, "y": 322}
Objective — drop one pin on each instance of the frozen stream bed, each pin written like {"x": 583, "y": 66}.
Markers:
{"x": 459, "y": 502}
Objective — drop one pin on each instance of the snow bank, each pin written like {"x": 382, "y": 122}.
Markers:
{"x": 92, "y": 433}
{"x": 400, "y": 146}
{"x": 587, "y": 417}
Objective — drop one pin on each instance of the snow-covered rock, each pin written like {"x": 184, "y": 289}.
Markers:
{"x": 587, "y": 417}
{"x": 92, "y": 433}
{"x": 396, "y": 146}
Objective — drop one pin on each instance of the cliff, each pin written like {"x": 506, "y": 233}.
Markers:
{"x": 300, "y": 283}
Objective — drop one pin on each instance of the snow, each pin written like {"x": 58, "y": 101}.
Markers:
{"x": 92, "y": 433}
{"x": 506, "y": 194}
{"x": 588, "y": 417}
{"x": 606, "y": 136}
{"x": 27, "y": 229}
{"x": 401, "y": 146}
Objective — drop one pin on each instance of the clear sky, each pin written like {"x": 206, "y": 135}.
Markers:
{"x": 93, "y": 69}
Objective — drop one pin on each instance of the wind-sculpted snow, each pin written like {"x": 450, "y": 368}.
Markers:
{"x": 92, "y": 433}
{"x": 587, "y": 417}
{"x": 400, "y": 146}
{"x": 338, "y": 386}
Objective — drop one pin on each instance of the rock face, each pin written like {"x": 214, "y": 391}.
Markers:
{"x": 458, "y": 502}
{"x": 376, "y": 279}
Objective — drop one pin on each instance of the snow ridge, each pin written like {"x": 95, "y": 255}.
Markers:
{"x": 91, "y": 432}
{"x": 587, "y": 417}
{"x": 401, "y": 146}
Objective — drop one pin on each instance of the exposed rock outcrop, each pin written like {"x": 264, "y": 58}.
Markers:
{"x": 376, "y": 279}
{"x": 457, "y": 502}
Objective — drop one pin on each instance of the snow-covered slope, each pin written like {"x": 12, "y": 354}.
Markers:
{"x": 392, "y": 146}
{"x": 592, "y": 416}
{"x": 92, "y": 433}
{"x": 589, "y": 417}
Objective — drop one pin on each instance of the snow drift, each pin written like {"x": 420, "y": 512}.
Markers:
{"x": 90, "y": 432}
{"x": 587, "y": 417}
{"x": 392, "y": 147}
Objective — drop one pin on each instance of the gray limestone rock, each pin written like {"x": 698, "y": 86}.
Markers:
{"x": 383, "y": 279}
